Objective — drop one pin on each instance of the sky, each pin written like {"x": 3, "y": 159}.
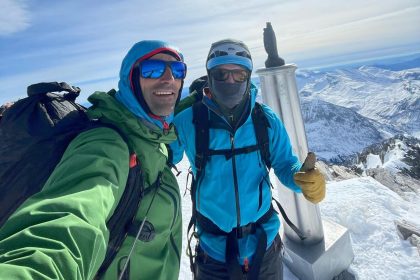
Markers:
{"x": 84, "y": 42}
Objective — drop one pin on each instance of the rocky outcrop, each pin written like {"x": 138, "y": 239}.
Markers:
{"x": 4, "y": 107}
{"x": 336, "y": 172}
{"x": 397, "y": 182}
{"x": 415, "y": 241}
{"x": 409, "y": 231}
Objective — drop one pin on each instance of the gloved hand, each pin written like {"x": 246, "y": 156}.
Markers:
{"x": 312, "y": 183}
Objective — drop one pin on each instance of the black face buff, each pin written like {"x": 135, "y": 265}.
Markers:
{"x": 228, "y": 94}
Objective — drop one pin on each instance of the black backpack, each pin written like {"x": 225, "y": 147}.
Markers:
{"x": 34, "y": 133}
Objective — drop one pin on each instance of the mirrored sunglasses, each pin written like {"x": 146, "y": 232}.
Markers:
{"x": 238, "y": 75}
{"x": 154, "y": 68}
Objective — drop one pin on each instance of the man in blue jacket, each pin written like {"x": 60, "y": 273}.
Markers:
{"x": 236, "y": 224}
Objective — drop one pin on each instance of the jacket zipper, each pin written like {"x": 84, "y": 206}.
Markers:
{"x": 235, "y": 182}
{"x": 235, "y": 177}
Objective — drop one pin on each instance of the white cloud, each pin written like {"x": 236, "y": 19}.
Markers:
{"x": 304, "y": 29}
{"x": 90, "y": 44}
{"x": 14, "y": 18}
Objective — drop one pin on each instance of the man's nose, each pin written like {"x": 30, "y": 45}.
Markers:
{"x": 167, "y": 75}
{"x": 230, "y": 78}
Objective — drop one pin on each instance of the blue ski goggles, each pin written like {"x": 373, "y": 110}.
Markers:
{"x": 154, "y": 68}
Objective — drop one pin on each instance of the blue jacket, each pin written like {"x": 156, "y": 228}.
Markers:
{"x": 215, "y": 195}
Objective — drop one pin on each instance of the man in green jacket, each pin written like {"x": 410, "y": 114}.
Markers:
{"x": 61, "y": 232}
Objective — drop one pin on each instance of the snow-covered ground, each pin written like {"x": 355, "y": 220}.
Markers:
{"x": 368, "y": 209}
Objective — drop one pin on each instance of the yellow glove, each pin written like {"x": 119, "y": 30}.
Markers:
{"x": 312, "y": 183}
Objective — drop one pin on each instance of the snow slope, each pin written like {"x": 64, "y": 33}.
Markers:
{"x": 369, "y": 209}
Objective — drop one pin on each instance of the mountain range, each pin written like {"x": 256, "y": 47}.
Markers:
{"x": 389, "y": 97}
{"x": 346, "y": 110}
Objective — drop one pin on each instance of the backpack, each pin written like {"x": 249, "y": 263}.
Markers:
{"x": 34, "y": 134}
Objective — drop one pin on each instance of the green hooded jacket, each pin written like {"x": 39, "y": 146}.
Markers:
{"x": 61, "y": 233}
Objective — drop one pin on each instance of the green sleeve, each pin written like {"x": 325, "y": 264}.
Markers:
{"x": 60, "y": 232}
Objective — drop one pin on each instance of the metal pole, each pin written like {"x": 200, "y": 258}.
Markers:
{"x": 319, "y": 256}
{"x": 279, "y": 91}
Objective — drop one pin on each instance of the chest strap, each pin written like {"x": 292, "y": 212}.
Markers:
{"x": 229, "y": 153}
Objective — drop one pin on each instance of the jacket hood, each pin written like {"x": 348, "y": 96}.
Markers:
{"x": 126, "y": 95}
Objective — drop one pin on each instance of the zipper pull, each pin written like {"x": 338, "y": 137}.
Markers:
{"x": 133, "y": 160}
{"x": 165, "y": 128}
{"x": 231, "y": 118}
{"x": 246, "y": 264}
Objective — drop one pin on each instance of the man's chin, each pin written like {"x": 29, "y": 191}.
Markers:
{"x": 164, "y": 112}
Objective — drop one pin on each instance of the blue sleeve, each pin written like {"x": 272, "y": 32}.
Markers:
{"x": 178, "y": 147}
{"x": 185, "y": 143}
{"x": 283, "y": 160}
{"x": 177, "y": 151}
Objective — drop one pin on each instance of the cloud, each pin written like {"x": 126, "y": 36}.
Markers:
{"x": 15, "y": 16}
{"x": 356, "y": 35}
{"x": 87, "y": 46}
{"x": 304, "y": 29}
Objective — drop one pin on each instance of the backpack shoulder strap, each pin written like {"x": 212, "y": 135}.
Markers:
{"x": 261, "y": 125}
{"x": 201, "y": 124}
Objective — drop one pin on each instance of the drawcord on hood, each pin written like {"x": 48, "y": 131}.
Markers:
{"x": 159, "y": 118}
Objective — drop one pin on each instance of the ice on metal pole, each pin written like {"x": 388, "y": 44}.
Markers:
{"x": 327, "y": 249}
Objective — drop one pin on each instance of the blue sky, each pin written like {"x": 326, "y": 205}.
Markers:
{"x": 83, "y": 42}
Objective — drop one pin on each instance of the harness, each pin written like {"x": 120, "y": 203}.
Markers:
{"x": 203, "y": 153}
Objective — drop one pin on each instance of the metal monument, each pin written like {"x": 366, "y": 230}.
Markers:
{"x": 327, "y": 250}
